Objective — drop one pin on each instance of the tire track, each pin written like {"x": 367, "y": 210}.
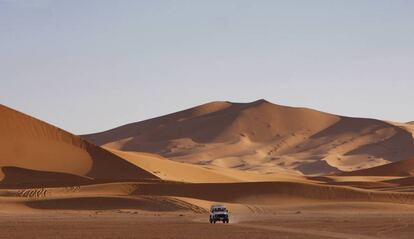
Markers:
{"x": 399, "y": 225}
{"x": 338, "y": 235}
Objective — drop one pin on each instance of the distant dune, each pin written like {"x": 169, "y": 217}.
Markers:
{"x": 34, "y": 152}
{"x": 265, "y": 138}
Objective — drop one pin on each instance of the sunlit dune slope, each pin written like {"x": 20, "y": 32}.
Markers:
{"x": 29, "y": 146}
{"x": 182, "y": 172}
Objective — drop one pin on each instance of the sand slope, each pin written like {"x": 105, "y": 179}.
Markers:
{"x": 182, "y": 172}
{"x": 32, "y": 151}
{"x": 264, "y": 138}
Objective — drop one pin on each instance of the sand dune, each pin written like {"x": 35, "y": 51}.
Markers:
{"x": 264, "y": 138}
{"x": 32, "y": 151}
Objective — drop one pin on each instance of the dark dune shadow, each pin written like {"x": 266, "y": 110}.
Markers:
{"x": 351, "y": 125}
{"x": 16, "y": 177}
{"x": 398, "y": 147}
{"x": 107, "y": 203}
{"x": 103, "y": 166}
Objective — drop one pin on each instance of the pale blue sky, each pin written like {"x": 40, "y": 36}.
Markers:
{"x": 88, "y": 66}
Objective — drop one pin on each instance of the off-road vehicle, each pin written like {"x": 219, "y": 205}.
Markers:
{"x": 219, "y": 213}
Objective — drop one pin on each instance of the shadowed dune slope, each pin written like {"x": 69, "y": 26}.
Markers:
{"x": 400, "y": 168}
{"x": 270, "y": 192}
{"x": 28, "y": 146}
{"x": 158, "y": 204}
{"x": 20, "y": 177}
{"x": 264, "y": 137}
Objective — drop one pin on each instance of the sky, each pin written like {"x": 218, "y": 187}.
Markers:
{"x": 88, "y": 66}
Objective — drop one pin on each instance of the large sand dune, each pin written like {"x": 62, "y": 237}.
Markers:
{"x": 265, "y": 138}
{"x": 32, "y": 151}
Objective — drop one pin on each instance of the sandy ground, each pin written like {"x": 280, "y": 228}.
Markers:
{"x": 294, "y": 222}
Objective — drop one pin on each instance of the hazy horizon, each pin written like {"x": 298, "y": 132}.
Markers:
{"x": 88, "y": 66}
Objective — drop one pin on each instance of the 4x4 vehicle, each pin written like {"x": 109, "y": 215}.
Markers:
{"x": 219, "y": 213}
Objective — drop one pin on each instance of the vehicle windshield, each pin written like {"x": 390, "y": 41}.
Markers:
{"x": 219, "y": 209}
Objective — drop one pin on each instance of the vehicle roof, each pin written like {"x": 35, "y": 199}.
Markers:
{"x": 218, "y": 206}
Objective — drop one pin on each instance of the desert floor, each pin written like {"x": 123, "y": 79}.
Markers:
{"x": 322, "y": 220}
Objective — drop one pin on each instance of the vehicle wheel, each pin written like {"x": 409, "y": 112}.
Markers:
{"x": 227, "y": 221}
{"x": 211, "y": 221}
{"x": 214, "y": 221}
{"x": 224, "y": 221}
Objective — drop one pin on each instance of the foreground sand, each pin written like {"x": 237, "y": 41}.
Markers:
{"x": 330, "y": 220}
{"x": 163, "y": 209}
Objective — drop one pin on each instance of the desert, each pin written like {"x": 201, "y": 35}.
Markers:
{"x": 282, "y": 172}
{"x": 205, "y": 119}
